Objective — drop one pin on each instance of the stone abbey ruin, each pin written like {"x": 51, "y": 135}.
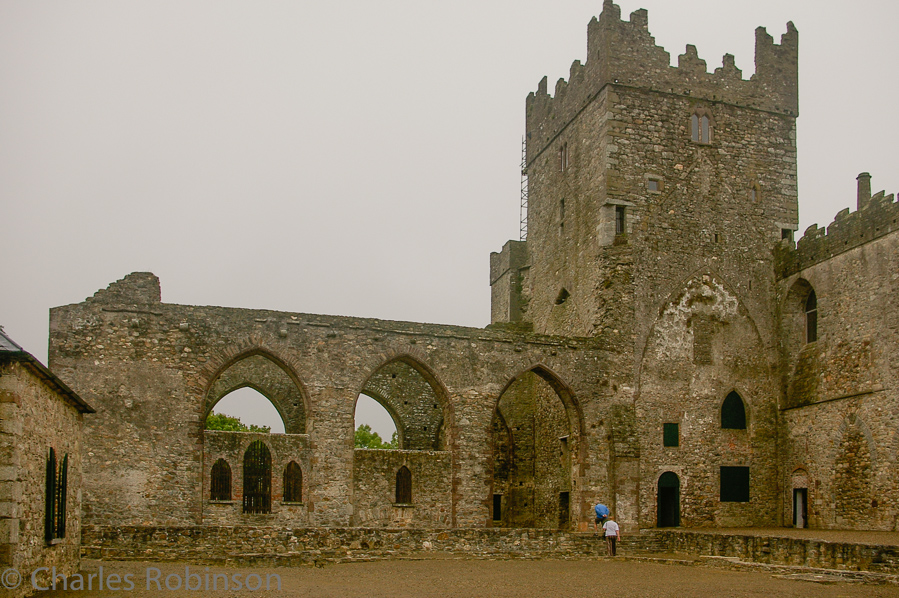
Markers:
{"x": 659, "y": 343}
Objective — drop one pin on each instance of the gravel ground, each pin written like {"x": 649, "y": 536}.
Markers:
{"x": 458, "y": 578}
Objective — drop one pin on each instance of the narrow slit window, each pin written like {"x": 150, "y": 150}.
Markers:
{"x": 497, "y": 507}
{"x": 620, "y": 221}
{"x": 221, "y": 481}
{"x": 55, "y": 499}
{"x": 694, "y": 127}
{"x": 811, "y": 318}
{"x": 293, "y": 483}
{"x": 706, "y": 130}
{"x": 404, "y": 486}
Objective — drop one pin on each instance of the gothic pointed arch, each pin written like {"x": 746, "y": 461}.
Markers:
{"x": 734, "y": 412}
{"x": 271, "y": 377}
{"x": 414, "y": 398}
{"x": 854, "y": 465}
{"x": 536, "y": 443}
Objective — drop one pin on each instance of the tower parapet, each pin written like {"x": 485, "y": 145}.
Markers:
{"x": 876, "y": 216}
{"x": 624, "y": 53}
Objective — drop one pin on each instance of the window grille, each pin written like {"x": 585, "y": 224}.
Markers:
{"x": 220, "y": 488}
{"x": 257, "y": 479}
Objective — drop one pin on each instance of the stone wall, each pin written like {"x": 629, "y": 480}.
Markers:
{"x": 232, "y": 446}
{"x": 149, "y": 368}
{"x": 34, "y": 417}
{"x": 840, "y": 422}
{"x": 374, "y": 488}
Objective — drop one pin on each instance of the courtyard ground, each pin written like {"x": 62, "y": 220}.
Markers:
{"x": 445, "y": 576}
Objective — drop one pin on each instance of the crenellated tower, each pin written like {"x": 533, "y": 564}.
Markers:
{"x": 641, "y": 173}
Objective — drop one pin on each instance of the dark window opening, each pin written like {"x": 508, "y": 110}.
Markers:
{"x": 404, "y": 486}
{"x": 620, "y": 222}
{"x": 497, "y": 507}
{"x": 561, "y": 209}
{"x": 220, "y": 488}
{"x": 293, "y": 483}
{"x": 733, "y": 412}
{"x": 811, "y": 318}
{"x": 563, "y": 297}
{"x": 654, "y": 185}
{"x": 786, "y": 233}
{"x": 55, "y": 498}
{"x": 734, "y": 484}
{"x": 670, "y": 434}
{"x": 717, "y": 238}
{"x": 564, "y": 509}
{"x": 257, "y": 479}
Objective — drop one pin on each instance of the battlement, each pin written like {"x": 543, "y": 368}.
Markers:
{"x": 624, "y": 53}
{"x": 875, "y": 216}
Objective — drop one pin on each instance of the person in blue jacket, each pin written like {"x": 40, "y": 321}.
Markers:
{"x": 602, "y": 513}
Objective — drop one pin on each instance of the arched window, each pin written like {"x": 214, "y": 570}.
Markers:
{"x": 293, "y": 483}
{"x": 404, "y": 485}
{"x": 220, "y": 488}
{"x": 257, "y": 479}
{"x": 733, "y": 412}
{"x": 811, "y": 318}
{"x": 700, "y": 128}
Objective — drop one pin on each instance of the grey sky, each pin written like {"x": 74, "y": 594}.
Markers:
{"x": 357, "y": 158}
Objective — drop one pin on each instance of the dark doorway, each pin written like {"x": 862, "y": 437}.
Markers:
{"x": 800, "y": 507}
{"x": 669, "y": 500}
{"x": 257, "y": 479}
{"x": 564, "y": 509}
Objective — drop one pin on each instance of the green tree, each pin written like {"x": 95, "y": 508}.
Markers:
{"x": 365, "y": 438}
{"x": 228, "y": 423}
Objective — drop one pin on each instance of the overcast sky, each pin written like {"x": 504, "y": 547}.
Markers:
{"x": 353, "y": 158}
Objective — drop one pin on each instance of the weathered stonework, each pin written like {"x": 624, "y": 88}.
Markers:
{"x": 657, "y": 343}
{"x": 37, "y": 413}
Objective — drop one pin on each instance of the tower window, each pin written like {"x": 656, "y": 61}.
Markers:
{"x": 654, "y": 185}
{"x": 620, "y": 222}
{"x": 733, "y": 412}
{"x": 563, "y": 157}
{"x": 811, "y": 318}
{"x": 293, "y": 483}
{"x": 734, "y": 484}
{"x": 671, "y": 434}
{"x": 701, "y": 128}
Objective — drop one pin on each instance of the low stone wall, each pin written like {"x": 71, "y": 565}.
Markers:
{"x": 245, "y": 545}
{"x": 774, "y": 550}
{"x": 274, "y": 545}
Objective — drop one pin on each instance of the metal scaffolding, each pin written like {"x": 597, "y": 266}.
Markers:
{"x": 523, "y": 213}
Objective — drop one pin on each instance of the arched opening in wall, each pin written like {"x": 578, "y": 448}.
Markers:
{"x": 733, "y": 412}
{"x": 404, "y": 486}
{"x": 245, "y": 410}
{"x": 799, "y": 483}
{"x": 669, "y": 500}
{"x": 220, "y": 487}
{"x": 374, "y": 426}
{"x": 535, "y": 434}
{"x": 283, "y": 403}
{"x": 414, "y": 401}
{"x": 293, "y": 483}
{"x": 257, "y": 478}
